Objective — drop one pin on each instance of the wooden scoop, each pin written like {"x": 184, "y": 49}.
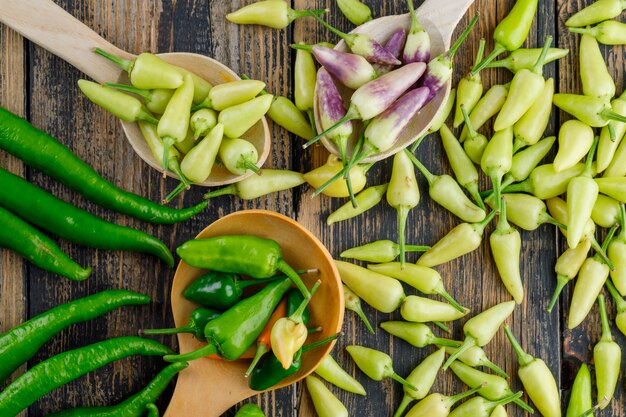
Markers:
{"x": 209, "y": 387}
{"x": 52, "y": 28}
{"x": 439, "y": 18}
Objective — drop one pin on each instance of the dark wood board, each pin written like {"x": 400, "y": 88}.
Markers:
{"x": 42, "y": 88}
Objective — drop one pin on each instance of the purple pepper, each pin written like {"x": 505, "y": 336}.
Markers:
{"x": 439, "y": 69}
{"x": 330, "y": 109}
{"x": 417, "y": 47}
{"x": 395, "y": 46}
{"x": 364, "y": 45}
{"x": 349, "y": 69}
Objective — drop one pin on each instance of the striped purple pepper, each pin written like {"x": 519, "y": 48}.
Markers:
{"x": 395, "y": 46}
{"x": 417, "y": 46}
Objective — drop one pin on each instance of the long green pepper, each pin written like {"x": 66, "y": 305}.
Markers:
{"x": 580, "y": 397}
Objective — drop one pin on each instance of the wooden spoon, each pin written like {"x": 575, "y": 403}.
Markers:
{"x": 439, "y": 18}
{"x": 51, "y": 27}
{"x": 209, "y": 387}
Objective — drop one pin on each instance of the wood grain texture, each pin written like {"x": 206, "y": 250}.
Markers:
{"x": 42, "y": 87}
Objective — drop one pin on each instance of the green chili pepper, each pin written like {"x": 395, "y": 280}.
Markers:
{"x": 487, "y": 107}
{"x": 594, "y": 75}
{"x": 610, "y": 32}
{"x": 365, "y": 200}
{"x": 580, "y": 397}
{"x": 525, "y": 58}
{"x": 255, "y": 186}
{"x": 437, "y": 405}
{"x": 617, "y": 253}
{"x": 422, "y": 310}
{"x": 285, "y": 113}
{"x": 526, "y": 87}
{"x": 469, "y": 89}
{"x": 607, "y": 356}
{"x": 422, "y": 377}
{"x": 464, "y": 169}
{"x": 480, "y": 329}
{"x": 493, "y": 387}
{"x": 67, "y": 366}
{"x": 241, "y": 117}
{"x": 526, "y": 160}
{"x": 235, "y": 331}
{"x": 223, "y": 96}
{"x": 355, "y": 11}
{"x": 383, "y": 293}
{"x": 219, "y": 290}
{"x": 402, "y": 194}
{"x": 416, "y": 334}
{"x": 606, "y": 211}
{"x": 474, "y": 143}
{"x": 202, "y": 121}
{"x": 537, "y": 379}
{"x": 620, "y": 304}
{"x": 438, "y": 121}
{"x": 248, "y": 255}
{"x": 596, "y": 12}
{"x": 532, "y": 125}
{"x": 250, "y": 410}
{"x": 591, "y": 110}
{"x": 38, "y": 248}
{"x": 497, "y": 159}
{"x": 155, "y": 99}
{"x": 174, "y": 123}
{"x": 544, "y": 182}
{"x": 324, "y": 402}
{"x": 196, "y": 324}
{"x": 375, "y": 364}
{"x": 270, "y": 371}
{"x": 505, "y": 243}
{"x": 239, "y": 156}
{"x": 353, "y": 303}
{"x": 582, "y": 193}
{"x": 444, "y": 190}
{"x": 379, "y": 251}
{"x": 609, "y": 143}
{"x": 305, "y": 78}
{"x": 147, "y": 71}
{"x": 422, "y": 278}
{"x": 499, "y": 411}
{"x": 272, "y": 13}
{"x": 72, "y": 223}
{"x": 462, "y": 239}
{"x": 567, "y": 267}
{"x": 45, "y": 153}
{"x": 475, "y": 356}
{"x": 512, "y": 31}
{"x": 591, "y": 278}
{"x": 480, "y": 407}
{"x": 22, "y": 342}
{"x": 330, "y": 370}
{"x": 289, "y": 333}
{"x": 121, "y": 105}
{"x": 135, "y": 406}
{"x": 575, "y": 140}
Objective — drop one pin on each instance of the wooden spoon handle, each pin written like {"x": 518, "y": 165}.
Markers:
{"x": 447, "y": 14}
{"x": 52, "y": 28}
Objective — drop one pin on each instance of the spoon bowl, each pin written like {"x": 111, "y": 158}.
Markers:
{"x": 209, "y": 387}
{"x": 439, "y": 19}
{"x": 51, "y": 27}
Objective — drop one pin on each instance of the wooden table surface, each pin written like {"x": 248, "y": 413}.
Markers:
{"x": 42, "y": 88}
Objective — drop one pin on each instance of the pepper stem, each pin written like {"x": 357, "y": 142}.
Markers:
{"x": 519, "y": 187}
{"x": 460, "y": 396}
{"x": 612, "y": 134}
{"x": 622, "y": 221}
{"x": 495, "y": 368}
{"x": 125, "y": 64}
{"x": 403, "y": 381}
{"x": 403, "y": 213}
{"x": 503, "y": 224}
{"x": 152, "y": 410}
{"x": 471, "y": 132}
{"x": 523, "y": 358}
{"x": 594, "y": 408}
{"x": 297, "y": 315}
{"x": 462, "y": 38}
{"x": 319, "y": 343}
{"x": 294, "y": 14}
{"x": 473, "y": 190}
{"x": 508, "y": 399}
{"x": 336, "y": 31}
{"x": 175, "y": 330}
{"x": 406, "y": 400}
{"x": 416, "y": 248}
{"x": 207, "y": 350}
{"x": 592, "y": 151}
{"x": 587, "y": 31}
{"x": 479, "y": 57}
{"x": 168, "y": 142}
{"x": 359, "y": 311}
{"x": 467, "y": 343}
{"x": 415, "y": 24}
{"x": 517, "y": 145}
{"x": 496, "y": 181}
{"x": 311, "y": 117}
{"x": 179, "y": 188}
{"x": 444, "y": 294}
{"x": 417, "y": 143}
{"x": 229, "y": 189}
{"x": 523, "y": 405}
{"x": 261, "y": 350}
{"x": 295, "y": 278}
{"x": 620, "y": 303}
{"x": 612, "y": 115}
{"x": 442, "y": 326}
{"x": 338, "y": 175}
{"x": 301, "y": 46}
{"x": 497, "y": 50}
{"x": 601, "y": 250}
{"x": 440, "y": 341}
{"x": 145, "y": 94}
{"x": 244, "y": 162}
{"x": 425, "y": 172}
{"x": 561, "y": 282}
{"x": 606, "y": 329}
{"x": 538, "y": 67}
{"x": 349, "y": 116}
{"x": 174, "y": 166}
{"x": 480, "y": 226}
{"x": 546, "y": 218}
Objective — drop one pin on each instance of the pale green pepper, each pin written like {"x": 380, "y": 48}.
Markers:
{"x": 325, "y": 403}
{"x": 340, "y": 188}
{"x": 575, "y": 140}
{"x": 416, "y": 334}
{"x": 487, "y": 107}
{"x": 202, "y": 121}
{"x": 617, "y": 253}
{"x": 607, "y": 357}
{"x": 223, "y": 96}
{"x": 365, "y": 200}
{"x": 526, "y": 160}
{"x": 121, "y": 105}
{"x": 155, "y": 100}
{"x": 609, "y": 142}
{"x": 497, "y": 159}
{"x": 620, "y": 304}
{"x": 379, "y": 251}
{"x": 285, "y": 113}
{"x": 474, "y": 143}
{"x": 594, "y": 75}
{"x": 596, "y": 12}
{"x": 525, "y": 58}
{"x": 544, "y": 182}
{"x": 255, "y": 186}
{"x": 424, "y": 310}
{"x": 606, "y": 211}
{"x": 147, "y": 71}
{"x": 272, "y": 13}
{"x": 198, "y": 162}
{"x": 375, "y": 364}
{"x": 580, "y": 397}
{"x": 239, "y": 156}
{"x": 355, "y": 11}
{"x": 469, "y": 90}
{"x": 532, "y": 125}
{"x": 480, "y": 407}
{"x": 383, "y": 293}
{"x": 437, "y": 405}
{"x": 567, "y": 266}
{"x": 353, "y": 303}
{"x": 241, "y": 117}
{"x": 610, "y": 32}
{"x": 475, "y": 356}
{"x": 330, "y": 370}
